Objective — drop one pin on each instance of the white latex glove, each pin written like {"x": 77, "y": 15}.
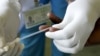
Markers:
{"x": 9, "y": 24}
{"x": 76, "y": 27}
{"x": 13, "y": 48}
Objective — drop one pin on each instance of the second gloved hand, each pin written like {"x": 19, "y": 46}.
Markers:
{"x": 9, "y": 24}
{"x": 13, "y": 48}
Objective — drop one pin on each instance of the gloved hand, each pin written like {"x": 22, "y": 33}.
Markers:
{"x": 9, "y": 24}
{"x": 76, "y": 27}
{"x": 13, "y": 48}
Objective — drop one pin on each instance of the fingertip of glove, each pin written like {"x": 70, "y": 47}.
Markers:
{"x": 6, "y": 48}
{"x": 55, "y": 26}
{"x": 21, "y": 44}
{"x": 17, "y": 39}
{"x": 1, "y": 51}
{"x": 47, "y": 34}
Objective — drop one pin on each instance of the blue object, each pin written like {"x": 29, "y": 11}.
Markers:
{"x": 59, "y": 7}
{"x": 34, "y": 45}
{"x": 44, "y": 1}
{"x": 56, "y": 52}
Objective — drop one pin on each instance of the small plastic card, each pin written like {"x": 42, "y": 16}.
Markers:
{"x": 36, "y": 16}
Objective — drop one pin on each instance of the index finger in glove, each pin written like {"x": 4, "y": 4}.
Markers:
{"x": 56, "y": 35}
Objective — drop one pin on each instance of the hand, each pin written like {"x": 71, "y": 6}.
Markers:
{"x": 75, "y": 29}
{"x": 13, "y": 48}
{"x": 9, "y": 24}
